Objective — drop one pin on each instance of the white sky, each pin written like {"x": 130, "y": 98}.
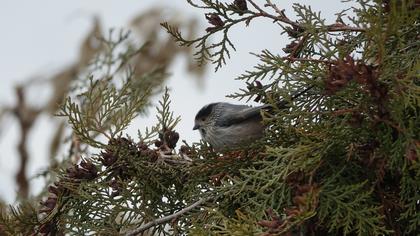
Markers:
{"x": 42, "y": 37}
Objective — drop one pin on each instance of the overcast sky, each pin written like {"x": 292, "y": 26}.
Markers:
{"x": 42, "y": 37}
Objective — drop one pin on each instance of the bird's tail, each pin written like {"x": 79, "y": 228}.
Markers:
{"x": 285, "y": 103}
{"x": 299, "y": 93}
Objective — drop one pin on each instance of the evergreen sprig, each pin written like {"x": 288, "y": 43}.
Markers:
{"x": 340, "y": 159}
{"x": 349, "y": 208}
{"x": 103, "y": 109}
{"x": 354, "y": 119}
{"x": 125, "y": 188}
{"x": 165, "y": 120}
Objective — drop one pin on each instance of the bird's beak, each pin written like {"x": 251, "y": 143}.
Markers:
{"x": 195, "y": 127}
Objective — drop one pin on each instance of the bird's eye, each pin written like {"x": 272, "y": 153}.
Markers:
{"x": 203, "y": 119}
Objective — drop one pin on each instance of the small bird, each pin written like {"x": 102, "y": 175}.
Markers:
{"x": 228, "y": 126}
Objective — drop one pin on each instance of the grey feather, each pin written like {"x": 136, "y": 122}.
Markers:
{"x": 239, "y": 114}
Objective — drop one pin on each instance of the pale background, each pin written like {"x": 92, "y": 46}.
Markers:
{"x": 41, "y": 37}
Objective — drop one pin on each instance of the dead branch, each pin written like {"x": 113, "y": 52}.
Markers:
{"x": 166, "y": 218}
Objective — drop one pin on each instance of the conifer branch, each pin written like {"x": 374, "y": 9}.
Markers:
{"x": 340, "y": 159}
{"x": 167, "y": 218}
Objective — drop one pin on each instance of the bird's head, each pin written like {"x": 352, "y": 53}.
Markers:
{"x": 204, "y": 118}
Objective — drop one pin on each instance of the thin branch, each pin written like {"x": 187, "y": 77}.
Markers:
{"x": 26, "y": 117}
{"x": 274, "y": 6}
{"x": 342, "y": 27}
{"x": 166, "y": 218}
{"x": 282, "y": 17}
{"x": 293, "y": 59}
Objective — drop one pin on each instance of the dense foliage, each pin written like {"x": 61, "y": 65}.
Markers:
{"x": 342, "y": 159}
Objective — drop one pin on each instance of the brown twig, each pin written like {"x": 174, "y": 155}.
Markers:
{"x": 274, "y": 6}
{"x": 166, "y": 218}
{"x": 26, "y": 117}
{"x": 283, "y": 18}
{"x": 342, "y": 27}
{"x": 293, "y": 59}
{"x": 298, "y": 48}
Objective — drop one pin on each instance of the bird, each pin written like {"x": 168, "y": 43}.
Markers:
{"x": 227, "y": 126}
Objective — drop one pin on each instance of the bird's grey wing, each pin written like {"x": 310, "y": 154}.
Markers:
{"x": 240, "y": 114}
{"x": 235, "y": 114}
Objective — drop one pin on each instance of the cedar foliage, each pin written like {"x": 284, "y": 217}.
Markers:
{"x": 342, "y": 159}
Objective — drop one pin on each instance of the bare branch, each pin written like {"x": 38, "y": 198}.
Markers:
{"x": 26, "y": 117}
{"x": 166, "y": 218}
